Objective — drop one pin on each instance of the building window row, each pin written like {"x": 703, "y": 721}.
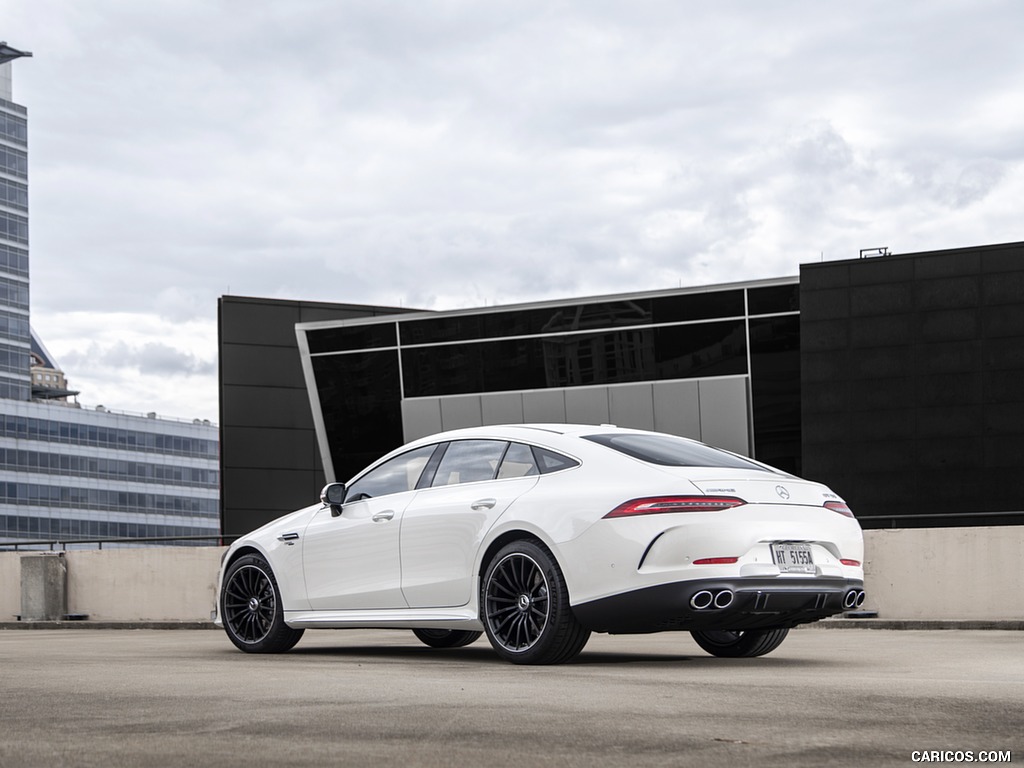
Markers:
{"x": 109, "y": 469}
{"x": 48, "y": 430}
{"x": 107, "y": 501}
{"x": 10, "y": 390}
{"x": 12, "y": 292}
{"x": 20, "y": 526}
{"x": 609, "y": 357}
{"x": 14, "y": 227}
{"x": 14, "y": 260}
{"x": 14, "y": 327}
{"x": 14, "y": 360}
{"x": 14, "y": 162}
{"x": 13, "y": 194}
{"x": 14, "y": 128}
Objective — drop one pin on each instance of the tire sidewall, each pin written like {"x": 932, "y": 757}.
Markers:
{"x": 558, "y": 603}
{"x": 271, "y": 642}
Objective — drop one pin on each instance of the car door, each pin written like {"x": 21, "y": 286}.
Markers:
{"x": 443, "y": 527}
{"x": 352, "y": 561}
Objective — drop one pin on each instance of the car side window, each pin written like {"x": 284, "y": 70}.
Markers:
{"x": 469, "y": 461}
{"x": 549, "y": 461}
{"x": 518, "y": 462}
{"x": 393, "y": 476}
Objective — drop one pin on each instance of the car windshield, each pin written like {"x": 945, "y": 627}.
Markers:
{"x": 669, "y": 451}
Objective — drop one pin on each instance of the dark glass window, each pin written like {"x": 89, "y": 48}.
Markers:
{"x": 469, "y": 461}
{"x": 527, "y": 322}
{"x": 354, "y": 337}
{"x": 671, "y": 451}
{"x": 518, "y": 462}
{"x": 395, "y": 475}
{"x": 775, "y": 391}
{"x": 549, "y": 461}
{"x": 698, "y": 306}
{"x": 704, "y": 349}
{"x": 361, "y": 405}
{"x": 775, "y": 298}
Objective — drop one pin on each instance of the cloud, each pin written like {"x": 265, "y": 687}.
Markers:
{"x": 448, "y": 153}
{"x": 152, "y": 358}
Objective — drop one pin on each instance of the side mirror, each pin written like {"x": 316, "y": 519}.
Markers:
{"x": 333, "y": 496}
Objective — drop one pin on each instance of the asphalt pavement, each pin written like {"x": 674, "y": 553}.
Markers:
{"x": 369, "y": 698}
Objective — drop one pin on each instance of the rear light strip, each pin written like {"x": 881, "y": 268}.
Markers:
{"x": 662, "y": 504}
{"x": 839, "y": 506}
{"x": 845, "y": 561}
{"x": 715, "y": 561}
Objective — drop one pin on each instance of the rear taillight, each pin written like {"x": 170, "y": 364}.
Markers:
{"x": 840, "y": 507}
{"x": 662, "y": 504}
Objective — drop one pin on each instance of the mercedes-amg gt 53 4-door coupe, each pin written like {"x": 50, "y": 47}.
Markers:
{"x": 538, "y": 535}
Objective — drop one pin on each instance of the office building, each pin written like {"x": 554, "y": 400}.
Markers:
{"x": 67, "y": 472}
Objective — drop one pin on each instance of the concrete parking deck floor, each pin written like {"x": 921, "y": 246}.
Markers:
{"x": 188, "y": 698}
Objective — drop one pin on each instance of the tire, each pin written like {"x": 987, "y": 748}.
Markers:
{"x": 446, "y": 638}
{"x": 250, "y": 607}
{"x": 740, "y": 644}
{"x": 524, "y": 605}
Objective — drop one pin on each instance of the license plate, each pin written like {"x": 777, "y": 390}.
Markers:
{"x": 793, "y": 558}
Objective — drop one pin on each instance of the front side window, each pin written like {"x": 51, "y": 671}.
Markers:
{"x": 669, "y": 451}
{"x": 393, "y": 476}
{"x": 469, "y": 461}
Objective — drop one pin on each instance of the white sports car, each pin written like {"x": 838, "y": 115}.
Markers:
{"x": 538, "y": 535}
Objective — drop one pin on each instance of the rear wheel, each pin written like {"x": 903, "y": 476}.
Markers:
{"x": 740, "y": 643}
{"x": 446, "y": 638}
{"x": 250, "y": 606}
{"x": 525, "y": 607}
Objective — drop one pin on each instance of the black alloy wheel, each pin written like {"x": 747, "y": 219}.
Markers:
{"x": 446, "y": 638}
{"x": 525, "y": 606}
{"x": 737, "y": 644}
{"x": 250, "y": 606}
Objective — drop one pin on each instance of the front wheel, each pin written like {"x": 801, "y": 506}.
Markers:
{"x": 737, "y": 644}
{"x": 446, "y": 638}
{"x": 250, "y": 606}
{"x": 525, "y": 606}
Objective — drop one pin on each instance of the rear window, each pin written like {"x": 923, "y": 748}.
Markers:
{"x": 669, "y": 451}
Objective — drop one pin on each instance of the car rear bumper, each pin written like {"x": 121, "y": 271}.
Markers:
{"x": 735, "y": 603}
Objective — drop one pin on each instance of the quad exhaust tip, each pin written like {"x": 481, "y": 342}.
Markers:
{"x": 854, "y": 599}
{"x": 706, "y": 599}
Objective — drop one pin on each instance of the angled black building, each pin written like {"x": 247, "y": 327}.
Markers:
{"x": 894, "y": 379}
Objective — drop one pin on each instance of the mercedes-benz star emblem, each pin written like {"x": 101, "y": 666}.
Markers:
{"x": 783, "y": 493}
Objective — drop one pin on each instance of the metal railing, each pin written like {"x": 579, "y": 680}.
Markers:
{"x": 62, "y": 545}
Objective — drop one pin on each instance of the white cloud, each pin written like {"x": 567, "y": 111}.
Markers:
{"x": 449, "y": 153}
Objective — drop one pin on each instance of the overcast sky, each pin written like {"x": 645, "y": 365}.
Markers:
{"x": 443, "y": 154}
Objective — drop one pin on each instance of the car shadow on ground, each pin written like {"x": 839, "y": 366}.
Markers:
{"x": 483, "y": 654}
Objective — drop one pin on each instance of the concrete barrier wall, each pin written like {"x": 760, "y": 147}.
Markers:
{"x": 10, "y": 585}
{"x": 945, "y": 573}
{"x": 940, "y": 573}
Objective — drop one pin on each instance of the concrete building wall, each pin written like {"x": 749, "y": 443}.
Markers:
{"x": 712, "y": 410}
{"x": 924, "y": 574}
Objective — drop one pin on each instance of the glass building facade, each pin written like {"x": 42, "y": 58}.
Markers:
{"x": 720, "y": 364}
{"x": 68, "y": 473}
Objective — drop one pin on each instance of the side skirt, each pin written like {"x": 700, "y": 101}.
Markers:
{"x": 419, "y": 618}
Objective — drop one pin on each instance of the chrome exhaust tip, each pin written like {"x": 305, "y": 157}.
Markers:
{"x": 861, "y": 597}
{"x": 850, "y": 599}
{"x": 723, "y": 599}
{"x": 701, "y": 600}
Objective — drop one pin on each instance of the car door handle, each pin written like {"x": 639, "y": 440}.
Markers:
{"x": 383, "y": 516}
{"x": 483, "y": 504}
